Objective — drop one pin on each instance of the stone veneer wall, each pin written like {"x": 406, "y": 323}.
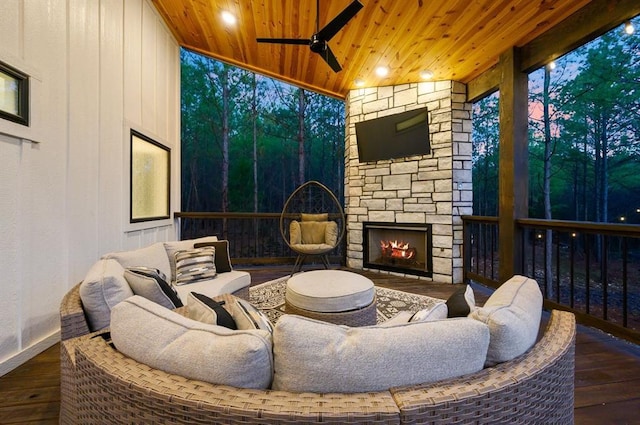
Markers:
{"x": 428, "y": 189}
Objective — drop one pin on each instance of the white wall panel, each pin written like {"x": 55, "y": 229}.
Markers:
{"x": 10, "y": 306}
{"x": 111, "y": 134}
{"x": 11, "y": 33}
{"x": 133, "y": 61}
{"x": 149, "y": 68}
{"x": 84, "y": 134}
{"x": 64, "y": 201}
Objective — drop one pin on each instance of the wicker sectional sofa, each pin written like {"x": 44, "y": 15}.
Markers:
{"x": 101, "y": 385}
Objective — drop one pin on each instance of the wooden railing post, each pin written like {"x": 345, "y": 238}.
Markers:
{"x": 513, "y": 162}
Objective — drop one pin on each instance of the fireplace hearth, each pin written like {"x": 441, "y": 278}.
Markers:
{"x": 398, "y": 247}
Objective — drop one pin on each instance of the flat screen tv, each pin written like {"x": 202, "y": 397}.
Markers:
{"x": 394, "y": 136}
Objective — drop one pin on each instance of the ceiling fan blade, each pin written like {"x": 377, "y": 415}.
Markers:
{"x": 339, "y": 21}
{"x": 330, "y": 58}
{"x": 300, "y": 41}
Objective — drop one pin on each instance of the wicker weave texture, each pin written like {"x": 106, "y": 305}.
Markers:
{"x": 100, "y": 385}
{"x": 535, "y": 388}
{"x": 364, "y": 316}
{"x": 112, "y": 386}
{"x": 73, "y": 322}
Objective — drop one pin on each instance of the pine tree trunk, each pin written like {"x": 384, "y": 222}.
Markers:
{"x": 301, "y": 136}
{"x": 548, "y": 240}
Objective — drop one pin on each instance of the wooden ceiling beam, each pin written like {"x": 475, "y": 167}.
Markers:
{"x": 585, "y": 25}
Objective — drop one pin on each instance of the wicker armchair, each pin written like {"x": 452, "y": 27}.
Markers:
{"x": 101, "y": 385}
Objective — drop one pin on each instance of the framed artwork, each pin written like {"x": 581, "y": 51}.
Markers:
{"x": 150, "y": 179}
{"x": 14, "y": 95}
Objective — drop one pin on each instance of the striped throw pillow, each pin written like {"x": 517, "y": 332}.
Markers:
{"x": 193, "y": 265}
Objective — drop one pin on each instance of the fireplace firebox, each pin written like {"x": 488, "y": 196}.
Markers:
{"x": 398, "y": 247}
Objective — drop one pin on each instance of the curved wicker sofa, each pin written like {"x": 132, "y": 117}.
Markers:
{"x": 100, "y": 385}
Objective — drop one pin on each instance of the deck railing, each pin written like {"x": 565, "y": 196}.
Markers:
{"x": 254, "y": 238}
{"x": 588, "y": 268}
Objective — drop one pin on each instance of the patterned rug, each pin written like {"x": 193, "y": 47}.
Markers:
{"x": 269, "y": 297}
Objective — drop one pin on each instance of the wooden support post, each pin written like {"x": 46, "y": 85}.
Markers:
{"x": 513, "y": 162}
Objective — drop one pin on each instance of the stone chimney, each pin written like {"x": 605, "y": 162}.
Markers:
{"x": 430, "y": 189}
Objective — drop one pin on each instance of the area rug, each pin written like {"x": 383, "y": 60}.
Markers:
{"x": 269, "y": 297}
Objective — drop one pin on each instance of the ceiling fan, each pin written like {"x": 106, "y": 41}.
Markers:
{"x": 318, "y": 43}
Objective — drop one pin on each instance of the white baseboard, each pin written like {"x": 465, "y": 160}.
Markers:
{"x": 28, "y": 353}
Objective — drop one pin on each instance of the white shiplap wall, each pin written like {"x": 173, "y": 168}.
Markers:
{"x": 98, "y": 68}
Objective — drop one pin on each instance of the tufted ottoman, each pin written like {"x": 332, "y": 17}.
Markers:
{"x": 334, "y": 296}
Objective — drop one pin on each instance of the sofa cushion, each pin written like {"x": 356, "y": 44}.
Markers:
{"x": 222, "y": 258}
{"x": 195, "y": 265}
{"x": 513, "y": 314}
{"x": 103, "y": 287}
{"x": 223, "y": 283}
{"x": 153, "y": 256}
{"x": 461, "y": 303}
{"x": 165, "y": 340}
{"x": 436, "y": 312}
{"x": 152, "y": 284}
{"x": 206, "y": 310}
{"x": 173, "y": 246}
{"x": 315, "y": 356}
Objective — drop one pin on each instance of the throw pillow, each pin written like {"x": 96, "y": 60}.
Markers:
{"x": 193, "y": 265}
{"x": 513, "y": 314}
{"x": 205, "y": 310}
{"x": 402, "y": 318}
{"x": 436, "y": 312}
{"x": 222, "y": 258}
{"x": 165, "y": 340}
{"x": 461, "y": 303}
{"x": 245, "y": 314}
{"x": 173, "y": 246}
{"x": 314, "y": 356}
{"x": 152, "y": 284}
{"x": 314, "y": 217}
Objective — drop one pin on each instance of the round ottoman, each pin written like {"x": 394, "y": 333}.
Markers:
{"x": 334, "y": 296}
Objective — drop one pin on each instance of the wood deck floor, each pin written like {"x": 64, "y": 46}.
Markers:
{"x": 607, "y": 369}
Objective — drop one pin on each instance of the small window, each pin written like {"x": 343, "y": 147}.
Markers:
{"x": 14, "y": 95}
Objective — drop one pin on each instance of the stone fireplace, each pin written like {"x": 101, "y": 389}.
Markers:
{"x": 432, "y": 190}
{"x": 402, "y": 248}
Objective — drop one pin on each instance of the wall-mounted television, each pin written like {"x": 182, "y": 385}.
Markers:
{"x": 394, "y": 136}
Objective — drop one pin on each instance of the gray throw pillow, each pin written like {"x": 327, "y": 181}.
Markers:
{"x": 435, "y": 312}
{"x": 152, "y": 284}
{"x": 206, "y": 310}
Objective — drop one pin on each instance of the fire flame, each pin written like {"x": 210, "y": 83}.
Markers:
{"x": 395, "y": 249}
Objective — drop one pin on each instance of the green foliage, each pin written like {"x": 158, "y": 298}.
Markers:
{"x": 594, "y": 124}
{"x": 276, "y": 123}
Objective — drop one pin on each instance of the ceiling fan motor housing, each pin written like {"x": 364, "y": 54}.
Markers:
{"x": 317, "y": 45}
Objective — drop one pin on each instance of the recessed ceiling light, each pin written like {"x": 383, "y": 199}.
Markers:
{"x": 382, "y": 71}
{"x": 359, "y": 82}
{"x": 628, "y": 27}
{"x": 552, "y": 65}
{"x": 426, "y": 74}
{"x": 228, "y": 18}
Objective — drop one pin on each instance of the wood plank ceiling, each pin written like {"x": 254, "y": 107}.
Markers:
{"x": 454, "y": 39}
